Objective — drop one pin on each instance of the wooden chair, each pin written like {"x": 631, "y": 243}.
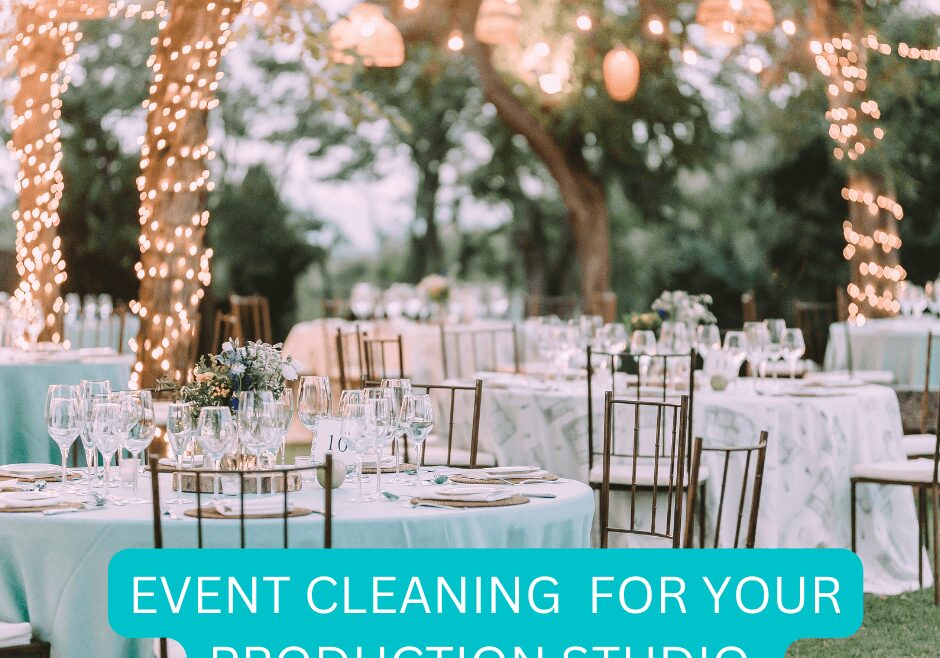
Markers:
{"x": 744, "y": 454}
{"x": 164, "y": 648}
{"x": 842, "y": 304}
{"x": 335, "y": 308}
{"x": 814, "y": 320}
{"x": 604, "y": 304}
{"x": 661, "y": 471}
{"x": 922, "y": 444}
{"x": 121, "y": 312}
{"x": 350, "y": 356}
{"x": 564, "y": 306}
{"x": 254, "y": 314}
{"x": 749, "y": 307}
{"x": 384, "y": 358}
{"x": 922, "y": 476}
{"x": 227, "y": 326}
{"x": 469, "y": 350}
{"x": 451, "y": 455}
{"x": 34, "y": 649}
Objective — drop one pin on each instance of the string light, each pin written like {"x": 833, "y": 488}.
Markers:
{"x": 584, "y": 22}
{"x": 853, "y": 127}
{"x": 174, "y": 181}
{"x": 455, "y": 41}
{"x": 902, "y": 49}
{"x": 655, "y": 26}
{"x": 42, "y": 51}
{"x": 411, "y": 5}
{"x": 788, "y": 27}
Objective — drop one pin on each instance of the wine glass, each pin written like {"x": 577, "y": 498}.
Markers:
{"x": 793, "y": 348}
{"x": 381, "y": 423}
{"x": 397, "y": 390}
{"x": 251, "y": 423}
{"x": 707, "y": 338}
{"x": 756, "y": 345}
{"x": 89, "y": 391}
{"x": 314, "y": 404}
{"x": 137, "y": 413}
{"x": 107, "y": 430}
{"x": 736, "y": 346}
{"x": 417, "y": 417}
{"x": 643, "y": 346}
{"x": 63, "y": 420}
{"x": 615, "y": 337}
{"x": 179, "y": 432}
{"x": 284, "y": 411}
{"x": 353, "y": 432}
{"x": 775, "y": 330}
{"x": 216, "y": 435}
{"x": 35, "y": 321}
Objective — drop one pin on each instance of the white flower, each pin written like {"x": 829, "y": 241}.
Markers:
{"x": 288, "y": 371}
{"x": 238, "y": 369}
{"x": 226, "y": 346}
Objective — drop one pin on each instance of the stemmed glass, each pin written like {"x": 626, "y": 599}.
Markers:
{"x": 89, "y": 391}
{"x": 397, "y": 390}
{"x": 252, "y": 435}
{"x": 107, "y": 430}
{"x": 736, "y": 347}
{"x": 643, "y": 345}
{"x": 138, "y": 417}
{"x": 315, "y": 404}
{"x": 381, "y": 424}
{"x": 707, "y": 338}
{"x": 63, "y": 420}
{"x": 179, "y": 432}
{"x": 284, "y": 410}
{"x": 216, "y": 435}
{"x": 35, "y": 321}
{"x": 417, "y": 417}
{"x": 793, "y": 347}
{"x": 757, "y": 341}
{"x": 775, "y": 331}
{"x": 353, "y": 432}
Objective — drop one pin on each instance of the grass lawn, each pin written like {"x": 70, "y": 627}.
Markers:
{"x": 906, "y": 626}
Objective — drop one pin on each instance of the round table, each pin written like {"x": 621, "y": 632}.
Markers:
{"x": 896, "y": 344}
{"x": 813, "y": 444}
{"x": 23, "y": 383}
{"x": 53, "y": 569}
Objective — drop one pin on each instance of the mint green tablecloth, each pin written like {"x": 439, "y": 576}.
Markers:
{"x": 23, "y": 385}
{"x": 53, "y": 569}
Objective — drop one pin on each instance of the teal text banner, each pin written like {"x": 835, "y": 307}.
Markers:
{"x": 539, "y": 603}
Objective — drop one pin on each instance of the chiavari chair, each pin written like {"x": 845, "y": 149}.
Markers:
{"x": 922, "y": 443}
{"x": 254, "y": 314}
{"x": 655, "y": 464}
{"x": 564, "y": 307}
{"x": 169, "y": 649}
{"x": 814, "y": 319}
{"x": 749, "y": 481}
{"x": 922, "y": 476}
{"x": 469, "y": 350}
{"x": 35, "y": 649}
{"x": 227, "y": 326}
{"x": 350, "y": 356}
{"x": 120, "y": 340}
{"x": 335, "y": 308}
{"x": 748, "y": 307}
{"x": 617, "y": 362}
{"x": 451, "y": 454}
{"x": 384, "y": 358}
{"x": 842, "y": 304}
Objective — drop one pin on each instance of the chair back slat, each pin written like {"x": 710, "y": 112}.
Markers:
{"x": 384, "y": 358}
{"x": 667, "y": 460}
{"x": 350, "y": 356}
{"x": 254, "y": 314}
{"x": 565, "y": 307}
{"x": 467, "y": 351}
{"x": 452, "y": 391}
{"x": 814, "y": 320}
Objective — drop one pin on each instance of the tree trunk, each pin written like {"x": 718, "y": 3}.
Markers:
{"x": 871, "y": 228}
{"x": 42, "y": 60}
{"x": 426, "y": 256}
{"x": 174, "y": 183}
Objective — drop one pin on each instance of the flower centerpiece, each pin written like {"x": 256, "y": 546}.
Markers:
{"x": 219, "y": 378}
{"x": 680, "y": 306}
{"x": 436, "y": 288}
{"x": 644, "y": 321}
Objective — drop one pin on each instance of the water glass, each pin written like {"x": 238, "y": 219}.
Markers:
{"x": 108, "y": 433}
{"x": 314, "y": 403}
{"x": 353, "y": 432}
{"x": 397, "y": 389}
{"x": 417, "y": 417}
{"x": 793, "y": 348}
{"x": 179, "y": 432}
{"x": 216, "y": 435}
{"x": 137, "y": 416}
{"x": 63, "y": 420}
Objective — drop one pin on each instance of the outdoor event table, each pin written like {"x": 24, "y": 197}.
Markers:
{"x": 895, "y": 344}
{"x": 53, "y": 569}
{"x": 813, "y": 444}
{"x": 23, "y": 384}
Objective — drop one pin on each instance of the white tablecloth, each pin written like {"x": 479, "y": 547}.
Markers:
{"x": 814, "y": 442}
{"x": 896, "y": 344}
{"x": 53, "y": 569}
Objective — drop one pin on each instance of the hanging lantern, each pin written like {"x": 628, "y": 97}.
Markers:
{"x": 72, "y": 10}
{"x": 727, "y": 21}
{"x": 498, "y": 22}
{"x": 621, "y": 74}
{"x": 367, "y": 32}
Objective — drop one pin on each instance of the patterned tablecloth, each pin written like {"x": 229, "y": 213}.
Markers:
{"x": 897, "y": 344}
{"x": 814, "y": 442}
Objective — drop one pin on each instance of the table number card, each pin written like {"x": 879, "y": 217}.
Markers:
{"x": 328, "y": 438}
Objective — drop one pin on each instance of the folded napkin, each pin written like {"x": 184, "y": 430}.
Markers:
{"x": 270, "y": 505}
{"x": 13, "y": 635}
{"x": 468, "y": 495}
{"x": 387, "y": 462}
{"x": 481, "y": 474}
{"x": 195, "y": 461}
{"x": 19, "y": 499}
{"x": 30, "y": 470}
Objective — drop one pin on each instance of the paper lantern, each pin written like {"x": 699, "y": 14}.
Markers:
{"x": 727, "y": 21}
{"x": 72, "y": 10}
{"x": 366, "y": 31}
{"x": 621, "y": 74}
{"x": 498, "y": 22}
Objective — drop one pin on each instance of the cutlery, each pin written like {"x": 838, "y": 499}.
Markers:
{"x": 98, "y": 504}
{"x": 529, "y": 494}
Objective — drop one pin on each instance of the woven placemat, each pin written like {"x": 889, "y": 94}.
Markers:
{"x": 42, "y": 508}
{"x": 505, "y": 502}
{"x": 370, "y": 470}
{"x": 72, "y": 477}
{"x": 463, "y": 479}
{"x": 212, "y": 513}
